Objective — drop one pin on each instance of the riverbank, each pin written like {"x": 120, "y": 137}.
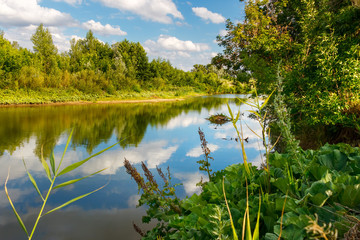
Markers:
{"x": 23, "y": 97}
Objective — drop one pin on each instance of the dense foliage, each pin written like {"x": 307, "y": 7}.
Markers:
{"x": 319, "y": 197}
{"x": 94, "y": 67}
{"x": 315, "y": 46}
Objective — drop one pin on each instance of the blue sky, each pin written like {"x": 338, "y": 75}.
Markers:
{"x": 182, "y": 31}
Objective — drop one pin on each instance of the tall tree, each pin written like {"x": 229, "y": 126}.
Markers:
{"x": 317, "y": 44}
{"x": 44, "y": 46}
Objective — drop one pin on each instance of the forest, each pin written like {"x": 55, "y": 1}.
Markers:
{"x": 92, "y": 69}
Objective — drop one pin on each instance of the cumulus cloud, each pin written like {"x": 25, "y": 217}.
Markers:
{"x": 133, "y": 201}
{"x": 152, "y": 153}
{"x": 173, "y": 43}
{"x": 154, "y": 10}
{"x": 190, "y": 180}
{"x": 223, "y": 32}
{"x": 26, "y": 12}
{"x": 197, "y": 152}
{"x": 207, "y": 15}
{"x": 104, "y": 30}
{"x": 182, "y": 53}
{"x": 71, "y": 2}
{"x": 184, "y": 120}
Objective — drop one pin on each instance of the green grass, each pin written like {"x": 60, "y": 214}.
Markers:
{"x": 51, "y": 95}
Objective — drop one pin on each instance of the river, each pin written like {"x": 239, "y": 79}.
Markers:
{"x": 159, "y": 134}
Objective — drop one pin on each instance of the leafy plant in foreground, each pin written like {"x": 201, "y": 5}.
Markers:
{"x": 282, "y": 200}
{"x": 52, "y": 173}
{"x": 162, "y": 200}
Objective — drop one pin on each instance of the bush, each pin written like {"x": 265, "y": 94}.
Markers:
{"x": 30, "y": 77}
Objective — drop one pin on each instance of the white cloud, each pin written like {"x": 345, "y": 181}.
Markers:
{"x": 173, "y": 43}
{"x": 104, "y": 30}
{"x": 197, "y": 151}
{"x": 152, "y": 153}
{"x": 185, "y": 120}
{"x": 71, "y": 2}
{"x": 154, "y": 10}
{"x": 190, "y": 180}
{"x": 223, "y": 32}
{"x": 205, "y": 14}
{"x": 182, "y": 53}
{"x": 133, "y": 201}
{"x": 26, "y": 12}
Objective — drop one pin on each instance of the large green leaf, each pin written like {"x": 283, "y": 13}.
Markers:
{"x": 334, "y": 160}
{"x": 319, "y": 192}
{"x": 350, "y": 197}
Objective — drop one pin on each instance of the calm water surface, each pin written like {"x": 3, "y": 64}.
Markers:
{"x": 161, "y": 134}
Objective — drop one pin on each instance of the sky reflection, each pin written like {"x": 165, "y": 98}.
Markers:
{"x": 163, "y": 141}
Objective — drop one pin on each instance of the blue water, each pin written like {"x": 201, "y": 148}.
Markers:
{"x": 171, "y": 142}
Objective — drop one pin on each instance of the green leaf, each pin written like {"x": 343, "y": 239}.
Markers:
{"x": 78, "y": 164}
{"x": 52, "y": 162}
{"x": 45, "y": 166}
{"x": 76, "y": 180}
{"x": 267, "y": 100}
{"x": 237, "y": 117}
{"x": 256, "y": 234}
{"x": 231, "y": 113}
{"x": 73, "y": 200}
{"x": 254, "y": 112}
{"x": 13, "y": 207}
{"x": 67, "y": 144}
{"x": 248, "y": 226}
{"x": 271, "y": 236}
{"x": 350, "y": 197}
{"x": 33, "y": 181}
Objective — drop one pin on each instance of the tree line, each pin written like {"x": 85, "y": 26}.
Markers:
{"x": 312, "y": 46}
{"x": 92, "y": 66}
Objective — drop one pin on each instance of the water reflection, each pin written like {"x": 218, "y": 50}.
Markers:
{"x": 163, "y": 134}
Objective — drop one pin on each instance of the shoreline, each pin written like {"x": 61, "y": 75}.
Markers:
{"x": 150, "y": 100}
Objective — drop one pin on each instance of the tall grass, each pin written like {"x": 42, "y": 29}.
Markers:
{"x": 53, "y": 172}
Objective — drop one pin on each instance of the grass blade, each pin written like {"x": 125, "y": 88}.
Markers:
{"x": 231, "y": 113}
{"x": 266, "y": 100}
{"x": 256, "y": 234}
{"x": 78, "y": 164}
{"x": 237, "y": 117}
{"x": 13, "y": 207}
{"x": 231, "y": 220}
{"x": 252, "y": 130}
{"x": 254, "y": 112}
{"x": 33, "y": 181}
{"x": 65, "y": 149}
{"x": 76, "y": 180}
{"x": 45, "y": 165}
{"x": 248, "y": 226}
{"x": 74, "y": 200}
{"x": 67, "y": 143}
{"x": 52, "y": 162}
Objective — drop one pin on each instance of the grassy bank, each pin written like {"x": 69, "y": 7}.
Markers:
{"x": 51, "y": 95}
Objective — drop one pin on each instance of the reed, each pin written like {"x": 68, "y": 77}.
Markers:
{"x": 53, "y": 172}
